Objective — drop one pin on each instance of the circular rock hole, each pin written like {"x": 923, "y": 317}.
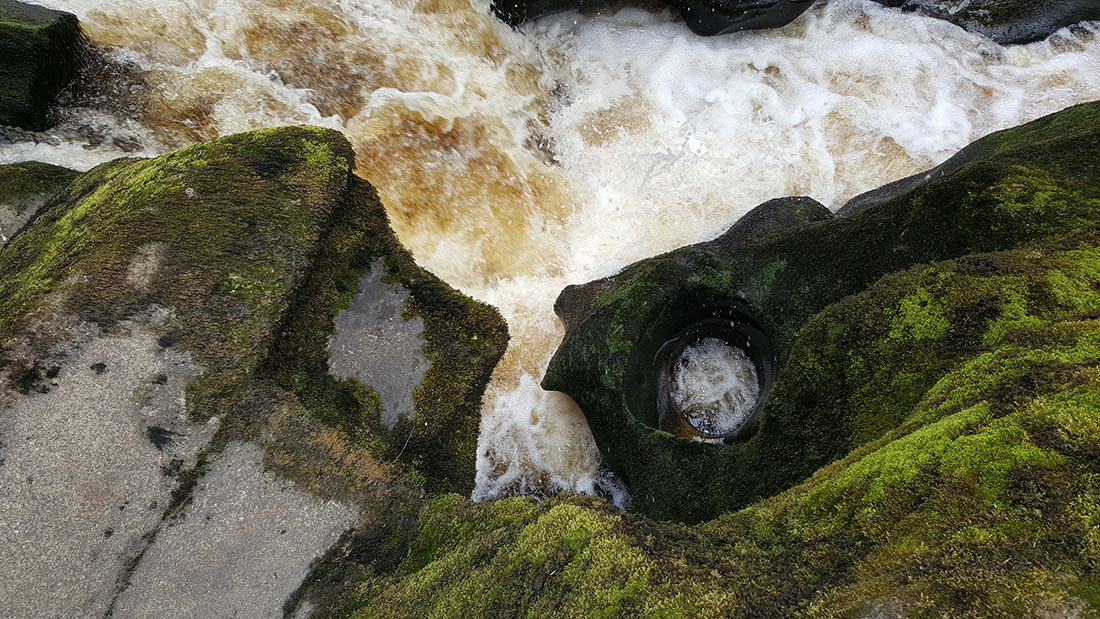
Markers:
{"x": 713, "y": 379}
{"x": 714, "y": 386}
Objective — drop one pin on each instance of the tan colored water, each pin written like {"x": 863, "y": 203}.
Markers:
{"x": 513, "y": 164}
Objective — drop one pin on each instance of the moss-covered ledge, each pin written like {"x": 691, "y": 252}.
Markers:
{"x": 40, "y": 52}
{"x": 251, "y": 244}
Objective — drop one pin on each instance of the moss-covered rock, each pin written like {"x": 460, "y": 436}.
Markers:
{"x": 236, "y": 256}
{"x": 254, "y": 242}
{"x": 844, "y": 384}
{"x": 1005, "y": 21}
{"x": 39, "y": 54}
{"x": 929, "y": 448}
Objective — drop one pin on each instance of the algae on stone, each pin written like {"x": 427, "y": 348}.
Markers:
{"x": 39, "y": 53}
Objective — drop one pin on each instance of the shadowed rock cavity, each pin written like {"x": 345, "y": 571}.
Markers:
{"x": 704, "y": 17}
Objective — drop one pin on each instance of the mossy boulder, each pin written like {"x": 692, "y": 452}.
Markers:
{"x": 227, "y": 263}
{"x": 1005, "y": 21}
{"x": 254, "y": 242}
{"x": 929, "y": 448}
{"x": 846, "y": 384}
{"x": 39, "y": 54}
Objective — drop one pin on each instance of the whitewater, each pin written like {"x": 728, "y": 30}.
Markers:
{"x": 513, "y": 164}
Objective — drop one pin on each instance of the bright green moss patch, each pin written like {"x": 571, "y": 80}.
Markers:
{"x": 918, "y": 317}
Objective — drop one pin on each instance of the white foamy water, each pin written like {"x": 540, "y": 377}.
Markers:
{"x": 514, "y": 164}
{"x": 714, "y": 385}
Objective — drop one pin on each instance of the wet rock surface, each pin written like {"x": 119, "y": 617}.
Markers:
{"x": 25, "y": 188}
{"x": 374, "y": 344}
{"x": 1005, "y": 21}
{"x": 90, "y": 457}
{"x": 704, "y": 17}
{"x": 241, "y": 521}
{"x": 39, "y": 55}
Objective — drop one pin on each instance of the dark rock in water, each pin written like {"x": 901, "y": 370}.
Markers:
{"x": 929, "y": 447}
{"x": 1006, "y": 21}
{"x": 1011, "y": 189}
{"x": 39, "y": 52}
{"x": 164, "y": 326}
{"x": 704, "y": 17}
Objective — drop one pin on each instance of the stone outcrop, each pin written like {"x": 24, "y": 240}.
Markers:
{"x": 704, "y": 17}
{"x": 1005, "y": 21}
{"x": 168, "y": 421}
{"x": 24, "y": 188}
{"x": 39, "y": 54}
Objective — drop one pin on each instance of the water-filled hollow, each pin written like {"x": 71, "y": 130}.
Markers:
{"x": 704, "y": 373}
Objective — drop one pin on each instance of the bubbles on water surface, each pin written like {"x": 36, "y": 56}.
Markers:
{"x": 714, "y": 385}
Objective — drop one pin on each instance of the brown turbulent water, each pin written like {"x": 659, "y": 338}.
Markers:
{"x": 515, "y": 163}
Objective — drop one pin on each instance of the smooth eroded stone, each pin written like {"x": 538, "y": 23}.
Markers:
{"x": 704, "y": 17}
{"x": 1006, "y": 21}
{"x": 1009, "y": 190}
{"x": 39, "y": 54}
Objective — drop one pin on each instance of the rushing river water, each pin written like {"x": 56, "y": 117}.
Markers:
{"x": 515, "y": 163}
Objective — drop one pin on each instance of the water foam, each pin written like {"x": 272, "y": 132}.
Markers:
{"x": 514, "y": 164}
{"x": 715, "y": 386}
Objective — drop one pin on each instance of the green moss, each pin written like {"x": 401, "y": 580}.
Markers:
{"x": 41, "y": 50}
{"x": 918, "y": 317}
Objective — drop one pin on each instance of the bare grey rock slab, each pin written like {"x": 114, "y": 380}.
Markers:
{"x": 11, "y": 221}
{"x": 375, "y": 345}
{"x": 241, "y": 549}
{"x": 86, "y": 470}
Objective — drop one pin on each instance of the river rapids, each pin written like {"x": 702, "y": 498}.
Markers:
{"x": 513, "y": 164}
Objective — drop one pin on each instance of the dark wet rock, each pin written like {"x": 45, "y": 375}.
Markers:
{"x": 1006, "y": 21}
{"x": 39, "y": 55}
{"x": 704, "y": 17}
{"x": 164, "y": 326}
{"x": 1008, "y": 190}
{"x": 929, "y": 448}
{"x": 372, "y": 317}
